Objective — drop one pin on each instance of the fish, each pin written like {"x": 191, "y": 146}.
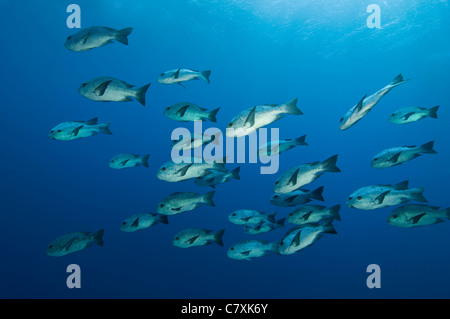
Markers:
{"x": 108, "y": 89}
{"x": 187, "y": 169}
{"x": 121, "y": 161}
{"x": 248, "y": 249}
{"x": 190, "y": 112}
{"x": 177, "y": 76}
{"x": 298, "y": 197}
{"x": 247, "y": 216}
{"x": 299, "y": 176}
{"x": 250, "y": 120}
{"x": 276, "y": 147}
{"x": 142, "y": 221}
{"x": 74, "y": 130}
{"x": 72, "y": 242}
{"x": 263, "y": 227}
{"x": 196, "y": 140}
{"x": 379, "y": 196}
{"x": 398, "y": 155}
{"x": 313, "y": 214}
{"x": 192, "y": 237}
{"x": 214, "y": 178}
{"x": 413, "y": 215}
{"x": 180, "y": 202}
{"x": 95, "y": 37}
{"x": 357, "y": 112}
{"x": 300, "y": 237}
{"x": 413, "y": 114}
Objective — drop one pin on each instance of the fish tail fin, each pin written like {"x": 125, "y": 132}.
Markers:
{"x": 428, "y": 148}
{"x": 144, "y": 160}
{"x": 432, "y": 112}
{"x": 397, "y": 81}
{"x": 329, "y": 229}
{"x": 300, "y": 140}
{"x": 205, "y": 75}
{"x": 218, "y": 237}
{"x": 280, "y": 223}
{"x": 417, "y": 194}
{"x": 207, "y": 198}
{"x": 140, "y": 94}
{"x": 104, "y": 128}
{"x": 329, "y": 165}
{"x": 334, "y": 212}
{"x": 122, "y": 35}
{"x": 317, "y": 194}
{"x": 212, "y": 115}
{"x": 163, "y": 219}
{"x": 235, "y": 173}
{"x": 291, "y": 107}
{"x": 98, "y": 237}
{"x": 447, "y": 213}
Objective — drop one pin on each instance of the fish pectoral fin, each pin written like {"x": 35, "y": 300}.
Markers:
{"x": 296, "y": 240}
{"x": 380, "y": 198}
{"x": 176, "y": 74}
{"x": 123, "y": 163}
{"x": 183, "y": 171}
{"x": 246, "y": 253}
{"x": 293, "y": 179}
{"x": 307, "y": 215}
{"x": 394, "y": 158}
{"x": 246, "y": 219}
{"x": 190, "y": 241}
{"x": 135, "y": 223}
{"x": 360, "y": 104}
{"x": 415, "y": 219}
{"x": 67, "y": 245}
{"x": 179, "y": 83}
{"x": 85, "y": 38}
{"x": 250, "y": 120}
{"x": 182, "y": 110}
{"x": 77, "y": 130}
{"x": 291, "y": 199}
{"x": 100, "y": 90}
{"x": 177, "y": 209}
{"x": 407, "y": 115}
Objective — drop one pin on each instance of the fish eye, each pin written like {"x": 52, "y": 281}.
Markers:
{"x": 162, "y": 205}
{"x": 161, "y": 74}
{"x": 69, "y": 37}
{"x": 276, "y": 183}
{"x": 230, "y": 124}
{"x": 394, "y": 216}
{"x": 359, "y": 198}
{"x": 50, "y": 247}
{"x": 52, "y": 131}
{"x": 350, "y": 198}
{"x": 83, "y": 85}
{"x": 163, "y": 169}
{"x": 124, "y": 223}
{"x": 177, "y": 238}
{"x": 232, "y": 248}
{"x": 290, "y": 214}
{"x": 275, "y": 196}
{"x": 375, "y": 159}
{"x": 281, "y": 243}
{"x": 341, "y": 119}
{"x": 234, "y": 214}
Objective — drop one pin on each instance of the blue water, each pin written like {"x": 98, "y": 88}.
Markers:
{"x": 259, "y": 52}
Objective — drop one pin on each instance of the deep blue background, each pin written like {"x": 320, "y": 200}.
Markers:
{"x": 259, "y": 52}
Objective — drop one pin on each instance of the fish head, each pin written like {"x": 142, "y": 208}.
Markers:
{"x": 378, "y": 162}
{"x": 71, "y": 43}
{"x": 55, "y": 249}
{"x": 235, "y": 218}
{"x": 84, "y": 89}
{"x": 347, "y": 120}
{"x": 164, "y": 207}
{"x": 58, "y": 133}
{"x": 285, "y": 246}
{"x": 357, "y": 200}
{"x": 166, "y": 78}
{"x": 396, "y": 219}
{"x": 235, "y": 252}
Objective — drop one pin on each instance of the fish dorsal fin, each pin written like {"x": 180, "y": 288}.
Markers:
{"x": 135, "y": 223}
{"x": 394, "y": 158}
{"x": 182, "y": 110}
{"x": 250, "y": 120}
{"x": 307, "y": 215}
{"x": 176, "y": 74}
{"x": 190, "y": 241}
{"x": 92, "y": 121}
{"x": 401, "y": 186}
{"x": 184, "y": 170}
{"x": 77, "y": 130}
{"x": 415, "y": 219}
{"x": 407, "y": 115}
{"x": 360, "y": 104}
{"x": 380, "y": 198}
{"x": 293, "y": 179}
{"x": 100, "y": 90}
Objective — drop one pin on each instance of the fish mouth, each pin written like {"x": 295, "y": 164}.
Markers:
{"x": 349, "y": 204}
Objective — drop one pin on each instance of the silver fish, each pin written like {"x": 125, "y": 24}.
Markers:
{"x": 414, "y": 215}
{"x": 248, "y": 249}
{"x": 108, "y": 89}
{"x": 379, "y": 196}
{"x": 197, "y": 237}
{"x": 300, "y": 237}
{"x": 196, "y": 140}
{"x": 74, "y": 130}
{"x": 298, "y": 197}
{"x": 263, "y": 226}
{"x": 187, "y": 169}
{"x": 121, "y": 161}
{"x": 398, "y": 155}
{"x": 357, "y": 112}
{"x": 249, "y": 120}
{"x": 73, "y": 242}
{"x": 313, "y": 214}
{"x": 181, "y": 202}
{"x": 214, "y": 178}
{"x": 247, "y": 216}
{"x": 298, "y": 176}
{"x": 94, "y": 37}
{"x": 413, "y": 114}
{"x": 190, "y": 112}
{"x": 277, "y": 147}
{"x": 181, "y": 75}
{"x": 142, "y": 221}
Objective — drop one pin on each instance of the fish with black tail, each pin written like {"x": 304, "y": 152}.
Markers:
{"x": 298, "y": 197}
{"x": 74, "y": 130}
{"x": 121, "y": 161}
{"x": 95, "y": 37}
{"x": 142, "y": 221}
{"x": 413, "y": 114}
{"x": 398, "y": 155}
{"x": 198, "y": 237}
{"x": 414, "y": 215}
{"x": 181, "y": 202}
{"x": 72, "y": 242}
